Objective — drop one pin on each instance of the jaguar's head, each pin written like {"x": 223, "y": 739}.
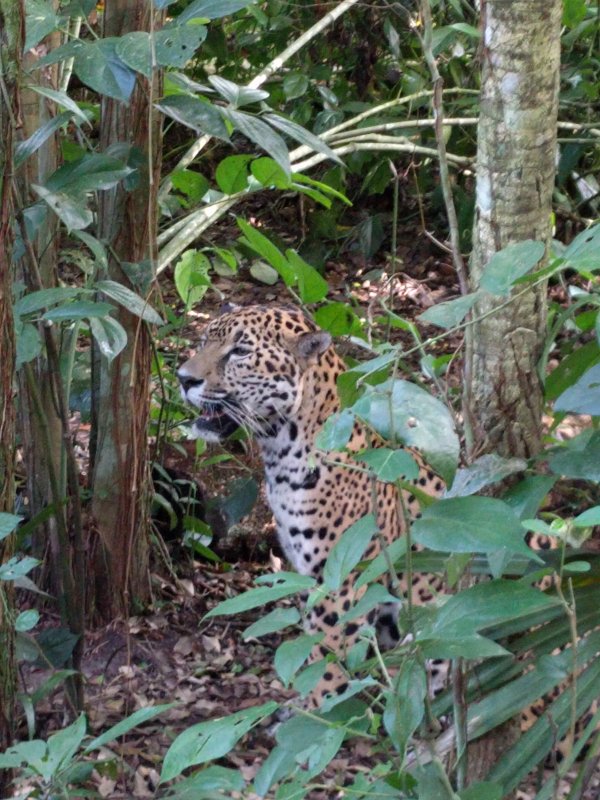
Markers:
{"x": 248, "y": 369}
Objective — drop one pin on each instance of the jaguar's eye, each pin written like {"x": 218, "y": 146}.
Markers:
{"x": 239, "y": 352}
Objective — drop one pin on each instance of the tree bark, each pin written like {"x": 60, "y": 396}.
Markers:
{"x": 11, "y": 47}
{"x": 127, "y": 221}
{"x": 515, "y": 177}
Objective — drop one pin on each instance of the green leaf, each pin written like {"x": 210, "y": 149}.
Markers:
{"x": 290, "y": 655}
{"x": 237, "y": 95}
{"x": 130, "y": 300}
{"x": 232, "y": 174}
{"x": 485, "y": 471}
{"x": 404, "y": 707}
{"x": 482, "y": 790}
{"x": 29, "y": 345}
{"x": 301, "y": 135}
{"x": 588, "y": 518}
{"x": 338, "y": 319}
{"x": 192, "y": 184}
{"x": 135, "y": 50}
{"x": 176, "y": 44}
{"x": 527, "y": 496}
{"x": 212, "y": 9}
{"x": 348, "y": 551}
{"x": 284, "y": 585}
{"x": 584, "y": 396}
{"x": 305, "y": 681}
{"x": 192, "y": 277}
{"x": 469, "y": 525}
{"x": 56, "y": 646}
{"x": 94, "y": 246}
{"x": 8, "y": 524}
{"x": 582, "y": 253}
{"x": 389, "y": 465}
{"x": 110, "y": 336}
{"x": 27, "y": 148}
{"x": 402, "y": 411}
{"x": 380, "y": 564}
{"x": 208, "y": 741}
{"x": 27, "y": 620}
{"x": 276, "y": 620}
{"x": 98, "y": 65}
{"x": 450, "y": 313}
{"x": 262, "y": 272}
{"x": 578, "y": 458}
{"x": 509, "y": 264}
{"x": 41, "y": 19}
{"x": 63, "y": 745}
{"x": 258, "y": 242}
{"x": 71, "y": 212}
{"x": 79, "y": 309}
{"x": 210, "y": 783}
{"x": 375, "y": 595}
{"x": 570, "y": 369}
{"x": 197, "y": 114}
{"x": 35, "y": 301}
{"x": 311, "y": 286}
{"x": 16, "y": 567}
{"x": 336, "y": 432}
{"x": 91, "y": 172}
{"x": 139, "y": 717}
{"x": 268, "y": 173}
{"x": 262, "y": 135}
{"x": 295, "y": 84}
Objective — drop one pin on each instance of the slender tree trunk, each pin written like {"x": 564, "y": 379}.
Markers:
{"x": 127, "y": 220}
{"x": 515, "y": 177}
{"x": 11, "y": 46}
{"x": 38, "y": 461}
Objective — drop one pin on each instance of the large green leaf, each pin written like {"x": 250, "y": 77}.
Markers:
{"x": 192, "y": 277}
{"x": 276, "y": 620}
{"x": 292, "y": 654}
{"x": 98, "y": 65}
{"x": 267, "y": 250}
{"x": 80, "y": 309}
{"x": 485, "y": 471}
{"x": 42, "y": 134}
{"x": 348, "y": 551}
{"x": 91, "y": 172}
{"x": 130, "y": 300}
{"x": 570, "y": 369}
{"x": 471, "y": 525}
{"x": 450, "y": 313}
{"x": 584, "y": 396}
{"x": 390, "y": 465}
{"x": 237, "y": 95}
{"x": 578, "y": 458}
{"x": 584, "y": 251}
{"x": 70, "y": 211}
{"x": 232, "y": 173}
{"x": 8, "y": 524}
{"x": 284, "y": 585}
{"x": 312, "y": 287}
{"x": 110, "y": 336}
{"x": 29, "y": 344}
{"x": 212, "y": 9}
{"x": 43, "y": 298}
{"x": 509, "y": 264}
{"x": 41, "y": 19}
{"x": 208, "y": 741}
{"x": 261, "y": 134}
{"x": 402, "y": 411}
{"x": 138, "y": 717}
{"x": 200, "y": 115}
{"x": 300, "y": 134}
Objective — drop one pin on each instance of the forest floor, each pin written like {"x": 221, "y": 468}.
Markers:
{"x": 170, "y": 653}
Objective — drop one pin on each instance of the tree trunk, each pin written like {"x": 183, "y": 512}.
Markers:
{"x": 11, "y": 47}
{"x": 39, "y": 461}
{"x": 515, "y": 177}
{"x": 127, "y": 221}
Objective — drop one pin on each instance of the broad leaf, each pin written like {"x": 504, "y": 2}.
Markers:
{"x": 71, "y": 212}
{"x": 208, "y": 741}
{"x": 583, "y": 252}
{"x": 110, "y": 336}
{"x": 485, "y": 471}
{"x": 284, "y": 585}
{"x": 267, "y": 250}
{"x": 212, "y": 9}
{"x": 578, "y": 458}
{"x": 8, "y": 524}
{"x": 300, "y": 134}
{"x": 311, "y": 286}
{"x": 276, "y": 620}
{"x": 471, "y": 525}
{"x": 336, "y": 432}
{"x": 130, "y": 300}
{"x": 584, "y": 396}
{"x": 509, "y": 264}
{"x": 390, "y": 465}
{"x": 232, "y": 174}
{"x": 237, "y": 95}
{"x": 80, "y": 309}
{"x": 348, "y": 551}
{"x": 269, "y": 173}
{"x": 292, "y": 654}
{"x": 261, "y": 134}
{"x": 200, "y": 115}
{"x": 138, "y": 717}
{"x": 176, "y": 44}
{"x": 98, "y": 65}
{"x": 450, "y": 313}
{"x": 401, "y": 411}
{"x": 192, "y": 277}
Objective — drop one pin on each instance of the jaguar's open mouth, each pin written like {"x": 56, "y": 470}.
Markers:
{"x": 214, "y": 424}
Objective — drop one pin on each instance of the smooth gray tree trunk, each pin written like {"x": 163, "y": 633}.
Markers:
{"x": 516, "y": 157}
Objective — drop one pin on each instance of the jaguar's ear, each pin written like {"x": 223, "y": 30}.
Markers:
{"x": 227, "y": 308}
{"x": 309, "y": 346}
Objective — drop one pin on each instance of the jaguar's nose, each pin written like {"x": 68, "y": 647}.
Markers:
{"x": 187, "y": 382}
